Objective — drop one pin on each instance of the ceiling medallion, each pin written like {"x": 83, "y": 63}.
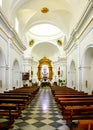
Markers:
{"x": 44, "y": 10}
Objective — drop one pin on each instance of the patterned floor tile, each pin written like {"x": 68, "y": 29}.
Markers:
{"x": 47, "y": 127}
{"x": 47, "y": 121}
{"x": 39, "y": 124}
{"x": 63, "y": 127}
{"x": 55, "y": 124}
{"x": 29, "y": 127}
{"x": 31, "y": 121}
{"x": 41, "y": 114}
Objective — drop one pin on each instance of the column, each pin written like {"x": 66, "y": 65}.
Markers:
{"x": 8, "y": 84}
{"x": 85, "y": 70}
{"x": 79, "y": 77}
{"x": 2, "y": 78}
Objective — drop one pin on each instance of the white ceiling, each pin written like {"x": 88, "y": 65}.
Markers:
{"x": 64, "y": 14}
{"x": 45, "y": 49}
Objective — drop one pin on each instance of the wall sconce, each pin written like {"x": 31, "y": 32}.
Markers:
{"x": 72, "y": 83}
{"x": 86, "y": 82}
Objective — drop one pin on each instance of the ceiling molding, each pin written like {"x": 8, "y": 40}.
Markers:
{"x": 11, "y": 32}
{"x": 79, "y": 24}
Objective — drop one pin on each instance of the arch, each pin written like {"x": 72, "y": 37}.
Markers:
{"x": 87, "y": 69}
{"x": 73, "y": 74}
{"x": 2, "y": 59}
{"x": 16, "y": 74}
{"x": 72, "y": 65}
{"x": 43, "y": 21}
{"x": 38, "y": 49}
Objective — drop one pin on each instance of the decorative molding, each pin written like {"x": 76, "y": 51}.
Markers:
{"x": 74, "y": 43}
{"x": 31, "y": 42}
{"x": 88, "y": 8}
{"x": 14, "y": 44}
{"x": 44, "y": 10}
{"x": 59, "y": 42}
{"x": 11, "y": 32}
{"x": 85, "y": 67}
{"x": 3, "y": 66}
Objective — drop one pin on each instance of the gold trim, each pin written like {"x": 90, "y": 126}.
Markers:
{"x": 31, "y": 42}
{"x": 80, "y": 34}
{"x": 17, "y": 46}
{"x": 43, "y": 61}
{"x": 84, "y": 29}
{"x": 59, "y": 42}
{"x": 4, "y": 33}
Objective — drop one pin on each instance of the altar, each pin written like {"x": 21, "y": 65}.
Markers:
{"x": 45, "y": 72}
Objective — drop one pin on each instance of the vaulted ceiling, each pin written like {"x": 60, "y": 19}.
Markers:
{"x": 62, "y": 14}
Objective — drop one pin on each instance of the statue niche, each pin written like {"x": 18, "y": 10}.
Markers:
{"x": 45, "y": 69}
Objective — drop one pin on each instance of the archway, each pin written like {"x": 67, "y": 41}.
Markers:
{"x": 16, "y": 74}
{"x": 45, "y": 70}
{"x": 73, "y": 75}
{"x": 87, "y": 70}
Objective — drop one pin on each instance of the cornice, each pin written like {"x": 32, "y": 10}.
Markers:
{"x": 14, "y": 44}
{"x": 60, "y": 60}
{"x": 79, "y": 24}
{"x": 11, "y": 33}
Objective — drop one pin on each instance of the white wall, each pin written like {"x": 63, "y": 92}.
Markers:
{"x": 10, "y": 53}
{"x": 77, "y": 54}
{"x": 72, "y": 57}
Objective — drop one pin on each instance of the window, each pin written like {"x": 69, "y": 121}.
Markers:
{"x": 45, "y": 30}
{"x": 16, "y": 25}
{"x": 1, "y": 3}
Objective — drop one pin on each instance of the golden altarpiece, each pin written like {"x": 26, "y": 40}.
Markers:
{"x": 45, "y": 70}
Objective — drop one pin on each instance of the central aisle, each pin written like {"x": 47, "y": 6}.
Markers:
{"x": 42, "y": 114}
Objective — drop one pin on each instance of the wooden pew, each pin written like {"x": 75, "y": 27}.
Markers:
{"x": 65, "y": 90}
{"x": 75, "y": 110}
{"x": 22, "y": 103}
{"x": 31, "y": 92}
{"x": 74, "y": 105}
{"x": 13, "y": 102}
{"x": 76, "y": 102}
{"x": 85, "y": 124}
{"x": 9, "y": 111}
{"x": 72, "y": 98}
{"x": 15, "y": 96}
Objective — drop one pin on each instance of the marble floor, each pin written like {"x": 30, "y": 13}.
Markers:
{"x": 42, "y": 114}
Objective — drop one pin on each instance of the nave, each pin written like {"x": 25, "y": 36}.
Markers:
{"x": 42, "y": 114}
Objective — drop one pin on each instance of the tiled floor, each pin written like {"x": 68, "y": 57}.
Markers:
{"x": 42, "y": 114}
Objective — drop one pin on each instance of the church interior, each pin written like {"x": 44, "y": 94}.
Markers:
{"x": 46, "y": 64}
